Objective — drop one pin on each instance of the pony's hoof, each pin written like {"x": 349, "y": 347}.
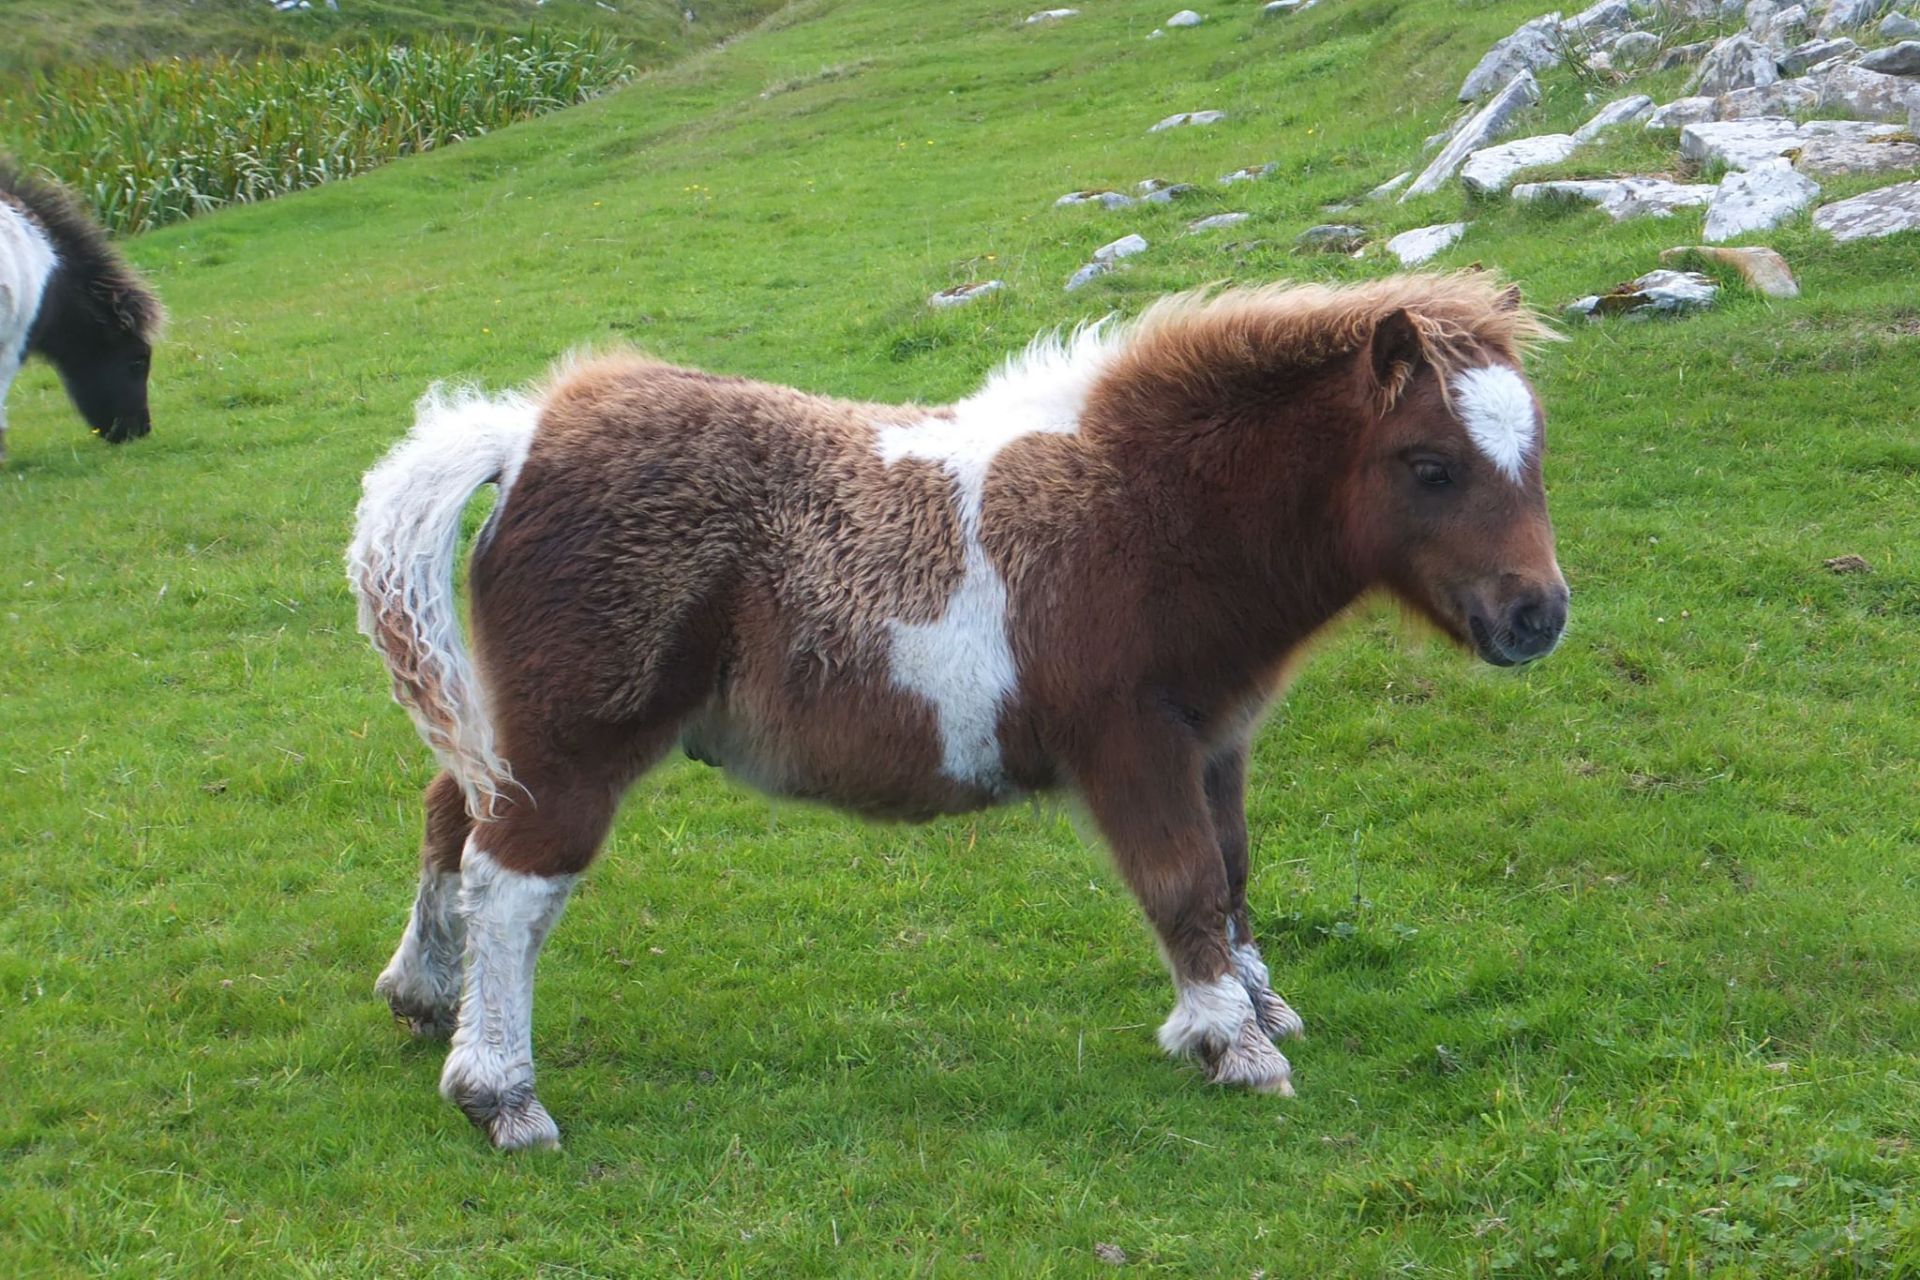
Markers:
{"x": 1277, "y": 1017}
{"x": 424, "y": 1017}
{"x": 513, "y": 1121}
{"x": 1252, "y": 1062}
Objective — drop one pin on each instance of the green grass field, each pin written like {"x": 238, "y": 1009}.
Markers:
{"x": 1609, "y": 967}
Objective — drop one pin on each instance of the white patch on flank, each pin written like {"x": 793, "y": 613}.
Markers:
{"x": 401, "y": 567}
{"x": 1207, "y": 1013}
{"x": 1496, "y": 408}
{"x": 508, "y": 916}
{"x": 27, "y": 263}
{"x": 422, "y": 981}
{"x": 962, "y": 663}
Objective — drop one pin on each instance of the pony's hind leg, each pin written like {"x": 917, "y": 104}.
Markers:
{"x": 515, "y": 877}
{"x": 1226, "y": 786}
{"x": 1145, "y": 786}
{"x": 422, "y": 981}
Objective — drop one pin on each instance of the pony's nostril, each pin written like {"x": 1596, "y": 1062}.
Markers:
{"x": 1535, "y": 624}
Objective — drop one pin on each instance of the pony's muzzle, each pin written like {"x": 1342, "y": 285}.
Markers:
{"x": 1523, "y": 628}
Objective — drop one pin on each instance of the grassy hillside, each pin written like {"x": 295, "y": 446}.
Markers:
{"x": 55, "y": 32}
{"x": 1609, "y": 966}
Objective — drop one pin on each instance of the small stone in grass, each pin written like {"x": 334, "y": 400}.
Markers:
{"x": 1849, "y": 564}
{"x": 1111, "y": 1254}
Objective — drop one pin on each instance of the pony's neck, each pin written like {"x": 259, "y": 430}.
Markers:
{"x": 1242, "y": 510}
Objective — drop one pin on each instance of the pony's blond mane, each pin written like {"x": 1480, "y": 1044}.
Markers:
{"x": 1197, "y": 338}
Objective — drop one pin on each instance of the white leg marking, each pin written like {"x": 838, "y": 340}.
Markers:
{"x": 1496, "y": 407}
{"x": 422, "y": 981}
{"x": 489, "y": 1072}
{"x": 1276, "y": 1016}
{"x": 1215, "y": 1021}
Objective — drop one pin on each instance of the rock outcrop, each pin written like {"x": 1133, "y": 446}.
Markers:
{"x": 1414, "y": 247}
{"x": 1534, "y": 47}
{"x": 1877, "y": 213}
{"x": 1478, "y": 132}
{"x": 1492, "y": 169}
{"x": 1757, "y": 199}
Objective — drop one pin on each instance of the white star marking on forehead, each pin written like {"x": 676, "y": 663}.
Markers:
{"x": 1496, "y": 408}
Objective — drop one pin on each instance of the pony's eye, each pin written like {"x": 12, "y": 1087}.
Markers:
{"x": 1432, "y": 474}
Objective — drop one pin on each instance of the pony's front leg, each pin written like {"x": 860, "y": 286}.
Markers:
{"x": 1226, "y": 787}
{"x": 1143, "y": 780}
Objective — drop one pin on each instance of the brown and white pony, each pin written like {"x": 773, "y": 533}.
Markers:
{"x": 65, "y": 294}
{"x": 1089, "y": 576}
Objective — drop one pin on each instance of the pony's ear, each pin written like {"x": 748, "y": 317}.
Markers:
{"x": 1509, "y": 299}
{"x": 1395, "y": 352}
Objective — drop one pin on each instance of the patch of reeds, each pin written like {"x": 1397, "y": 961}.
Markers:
{"x": 153, "y": 143}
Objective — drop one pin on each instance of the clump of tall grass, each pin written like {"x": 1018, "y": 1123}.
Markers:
{"x": 153, "y": 143}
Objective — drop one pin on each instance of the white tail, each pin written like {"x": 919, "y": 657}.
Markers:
{"x": 401, "y": 566}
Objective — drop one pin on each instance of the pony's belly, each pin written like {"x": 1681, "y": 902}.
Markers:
{"x": 874, "y": 773}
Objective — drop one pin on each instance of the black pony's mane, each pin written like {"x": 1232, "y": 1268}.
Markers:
{"x": 83, "y": 248}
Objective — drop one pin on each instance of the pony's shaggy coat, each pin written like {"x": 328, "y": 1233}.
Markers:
{"x": 1091, "y": 574}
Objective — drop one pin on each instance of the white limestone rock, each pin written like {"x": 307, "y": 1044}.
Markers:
{"x": 1843, "y": 15}
{"x": 1216, "y": 222}
{"x": 1785, "y": 27}
{"x": 1087, "y": 275}
{"x": 1332, "y": 237}
{"x": 962, "y": 294}
{"x": 1901, "y": 59}
{"x": 1250, "y": 173}
{"x": 1534, "y": 47}
{"x": 1683, "y": 55}
{"x": 1877, "y": 213}
{"x": 1682, "y": 112}
{"x": 1632, "y": 48}
{"x": 1599, "y": 18}
{"x": 1124, "y": 247}
{"x": 1105, "y": 199}
{"x": 1812, "y": 53}
{"x": 1742, "y": 144}
{"x": 1757, "y": 199}
{"x": 1051, "y": 15}
{"x": 1739, "y": 144}
{"x": 1387, "y": 189}
{"x": 1619, "y": 111}
{"x": 1185, "y": 18}
{"x": 1869, "y": 95}
{"x": 1492, "y": 169}
{"x": 1841, "y": 157}
{"x": 1898, "y": 26}
{"x": 1655, "y": 293}
{"x": 1738, "y": 62}
{"x": 1570, "y": 190}
{"x": 1782, "y": 97}
{"x": 1414, "y": 247}
{"x": 1654, "y": 198}
{"x": 1188, "y": 119}
{"x": 1479, "y": 131}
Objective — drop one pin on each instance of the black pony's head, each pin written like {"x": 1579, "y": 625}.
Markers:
{"x": 97, "y": 320}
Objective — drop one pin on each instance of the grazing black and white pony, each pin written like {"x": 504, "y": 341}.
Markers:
{"x": 67, "y": 295}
